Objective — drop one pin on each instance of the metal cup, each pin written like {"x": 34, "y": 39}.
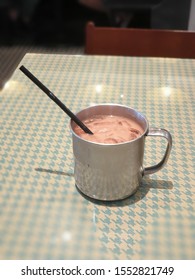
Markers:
{"x": 113, "y": 171}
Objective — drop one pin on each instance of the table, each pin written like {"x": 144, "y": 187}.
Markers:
{"x": 42, "y": 214}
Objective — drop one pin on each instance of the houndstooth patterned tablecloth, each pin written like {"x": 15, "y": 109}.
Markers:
{"x": 42, "y": 215}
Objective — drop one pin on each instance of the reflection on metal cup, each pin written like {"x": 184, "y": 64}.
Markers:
{"x": 113, "y": 171}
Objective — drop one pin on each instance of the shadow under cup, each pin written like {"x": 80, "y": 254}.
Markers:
{"x": 111, "y": 171}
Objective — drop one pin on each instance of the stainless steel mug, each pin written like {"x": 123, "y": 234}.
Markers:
{"x": 113, "y": 171}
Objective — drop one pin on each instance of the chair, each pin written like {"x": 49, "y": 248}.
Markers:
{"x": 139, "y": 42}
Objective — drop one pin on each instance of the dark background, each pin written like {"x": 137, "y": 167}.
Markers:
{"x": 58, "y": 21}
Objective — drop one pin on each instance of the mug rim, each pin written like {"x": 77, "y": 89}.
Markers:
{"x": 110, "y": 144}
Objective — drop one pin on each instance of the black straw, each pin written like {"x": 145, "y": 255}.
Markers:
{"x": 55, "y": 99}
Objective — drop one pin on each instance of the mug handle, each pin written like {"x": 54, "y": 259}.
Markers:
{"x": 162, "y": 133}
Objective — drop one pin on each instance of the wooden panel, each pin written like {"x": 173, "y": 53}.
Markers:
{"x": 139, "y": 42}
